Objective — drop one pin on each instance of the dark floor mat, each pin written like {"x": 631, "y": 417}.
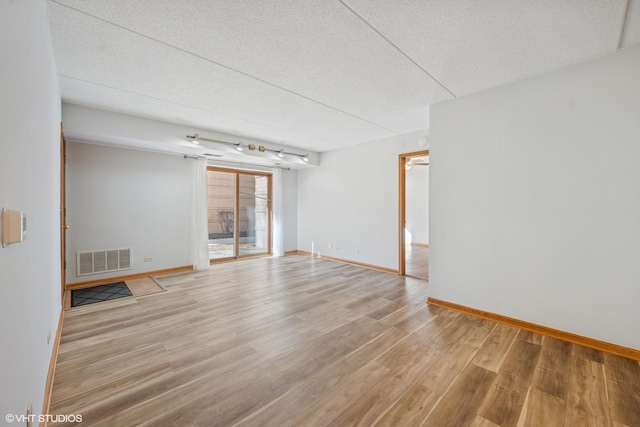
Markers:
{"x": 99, "y": 293}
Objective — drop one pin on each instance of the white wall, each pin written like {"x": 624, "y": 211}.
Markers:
{"x": 116, "y": 129}
{"x": 535, "y": 203}
{"x": 351, "y": 202}
{"x": 120, "y": 198}
{"x": 417, "y": 203}
{"x": 29, "y": 181}
{"x": 123, "y": 198}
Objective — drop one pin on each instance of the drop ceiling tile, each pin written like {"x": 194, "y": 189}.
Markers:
{"x": 91, "y": 95}
{"x": 112, "y": 58}
{"x": 321, "y": 74}
{"x": 471, "y": 46}
{"x": 314, "y": 48}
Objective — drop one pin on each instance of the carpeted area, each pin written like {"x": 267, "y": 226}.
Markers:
{"x": 100, "y": 293}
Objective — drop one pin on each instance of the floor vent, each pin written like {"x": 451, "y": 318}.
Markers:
{"x": 103, "y": 261}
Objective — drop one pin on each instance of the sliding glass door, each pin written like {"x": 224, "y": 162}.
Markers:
{"x": 239, "y": 213}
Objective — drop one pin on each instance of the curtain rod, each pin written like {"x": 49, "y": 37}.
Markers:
{"x": 249, "y": 164}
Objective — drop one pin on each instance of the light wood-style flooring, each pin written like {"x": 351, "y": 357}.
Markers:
{"x": 417, "y": 261}
{"x": 296, "y": 341}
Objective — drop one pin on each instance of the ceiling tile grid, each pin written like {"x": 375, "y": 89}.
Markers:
{"x": 317, "y": 49}
{"x": 317, "y": 74}
{"x": 95, "y": 96}
{"x": 139, "y": 65}
{"x": 471, "y": 46}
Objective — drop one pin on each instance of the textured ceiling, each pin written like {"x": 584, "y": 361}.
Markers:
{"x": 320, "y": 74}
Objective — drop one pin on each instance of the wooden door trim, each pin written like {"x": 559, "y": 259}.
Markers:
{"x": 63, "y": 213}
{"x": 236, "y": 223}
{"x": 402, "y": 205}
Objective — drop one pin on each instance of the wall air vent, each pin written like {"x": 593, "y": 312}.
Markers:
{"x": 103, "y": 261}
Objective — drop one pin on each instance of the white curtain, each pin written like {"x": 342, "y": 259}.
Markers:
{"x": 278, "y": 229}
{"x": 199, "y": 205}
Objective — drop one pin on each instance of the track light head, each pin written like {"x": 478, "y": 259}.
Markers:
{"x": 195, "y": 138}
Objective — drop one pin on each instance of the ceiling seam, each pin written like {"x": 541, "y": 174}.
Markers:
{"x": 403, "y": 53}
{"x": 623, "y": 26}
{"x": 227, "y": 67}
{"x": 195, "y": 108}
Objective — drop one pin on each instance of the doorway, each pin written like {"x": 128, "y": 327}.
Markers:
{"x": 413, "y": 230}
{"x": 238, "y": 213}
{"x": 63, "y": 213}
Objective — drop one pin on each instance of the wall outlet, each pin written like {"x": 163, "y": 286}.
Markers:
{"x": 49, "y": 337}
{"x": 357, "y": 251}
{"x": 330, "y": 245}
{"x": 148, "y": 259}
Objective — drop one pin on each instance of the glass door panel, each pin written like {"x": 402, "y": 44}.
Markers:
{"x": 221, "y": 213}
{"x": 253, "y": 214}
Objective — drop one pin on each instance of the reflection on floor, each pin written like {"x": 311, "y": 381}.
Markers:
{"x": 417, "y": 261}
{"x": 217, "y": 250}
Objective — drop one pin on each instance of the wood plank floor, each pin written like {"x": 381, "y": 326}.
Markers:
{"x": 297, "y": 341}
{"x": 417, "y": 261}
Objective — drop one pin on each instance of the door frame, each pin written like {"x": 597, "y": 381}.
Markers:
{"x": 236, "y": 222}
{"x": 402, "y": 206}
{"x": 63, "y": 213}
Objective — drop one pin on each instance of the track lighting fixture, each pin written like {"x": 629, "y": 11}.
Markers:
{"x": 196, "y": 138}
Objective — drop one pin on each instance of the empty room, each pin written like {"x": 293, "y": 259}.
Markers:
{"x": 320, "y": 213}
